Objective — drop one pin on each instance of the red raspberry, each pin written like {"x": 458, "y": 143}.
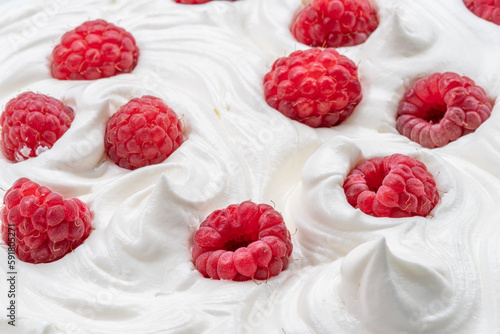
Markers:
{"x": 393, "y": 186}
{"x": 485, "y": 9}
{"x": 46, "y": 225}
{"x": 335, "y": 23}
{"x": 241, "y": 242}
{"x": 441, "y": 108}
{"x": 31, "y": 124}
{"x": 143, "y": 132}
{"x": 96, "y": 49}
{"x": 194, "y": 2}
{"x": 317, "y": 87}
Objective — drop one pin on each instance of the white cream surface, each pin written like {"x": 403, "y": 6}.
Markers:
{"x": 351, "y": 273}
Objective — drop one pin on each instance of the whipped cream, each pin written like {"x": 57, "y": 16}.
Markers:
{"x": 352, "y": 273}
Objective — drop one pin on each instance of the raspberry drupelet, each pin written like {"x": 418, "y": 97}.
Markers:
{"x": 31, "y": 124}
{"x": 93, "y": 50}
{"x": 441, "y": 108}
{"x": 319, "y": 88}
{"x": 143, "y": 132}
{"x": 488, "y": 10}
{"x": 335, "y": 23}
{"x": 394, "y": 186}
{"x": 47, "y": 226}
{"x": 241, "y": 242}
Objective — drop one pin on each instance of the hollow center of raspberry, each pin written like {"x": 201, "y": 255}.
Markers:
{"x": 375, "y": 181}
{"x": 435, "y": 114}
{"x": 240, "y": 241}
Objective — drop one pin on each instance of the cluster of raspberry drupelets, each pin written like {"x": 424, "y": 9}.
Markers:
{"x": 394, "y": 186}
{"x": 335, "y": 23}
{"x": 145, "y": 131}
{"x": 441, "y": 108}
{"x": 241, "y": 242}
{"x": 318, "y": 87}
{"x": 488, "y": 10}
{"x": 46, "y": 225}
{"x": 93, "y": 50}
{"x": 32, "y": 123}
{"x": 194, "y": 2}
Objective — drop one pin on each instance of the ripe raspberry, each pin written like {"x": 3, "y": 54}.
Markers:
{"x": 441, "y": 108}
{"x": 241, "y": 242}
{"x": 317, "y": 87}
{"x": 95, "y": 49}
{"x": 485, "y": 9}
{"x": 335, "y": 23}
{"x": 143, "y": 132}
{"x": 393, "y": 186}
{"x": 194, "y": 2}
{"x": 46, "y": 225}
{"x": 31, "y": 124}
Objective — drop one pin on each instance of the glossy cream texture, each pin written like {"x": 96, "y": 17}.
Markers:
{"x": 352, "y": 273}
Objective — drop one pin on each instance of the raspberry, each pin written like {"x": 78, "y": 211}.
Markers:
{"x": 488, "y": 10}
{"x": 441, "y": 108}
{"x": 95, "y": 49}
{"x": 241, "y": 242}
{"x": 317, "y": 87}
{"x": 335, "y": 23}
{"x": 393, "y": 186}
{"x": 46, "y": 225}
{"x": 31, "y": 124}
{"x": 194, "y": 2}
{"x": 143, "y": 132}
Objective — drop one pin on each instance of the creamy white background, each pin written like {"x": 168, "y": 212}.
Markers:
{"x": 352, "y": 273}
